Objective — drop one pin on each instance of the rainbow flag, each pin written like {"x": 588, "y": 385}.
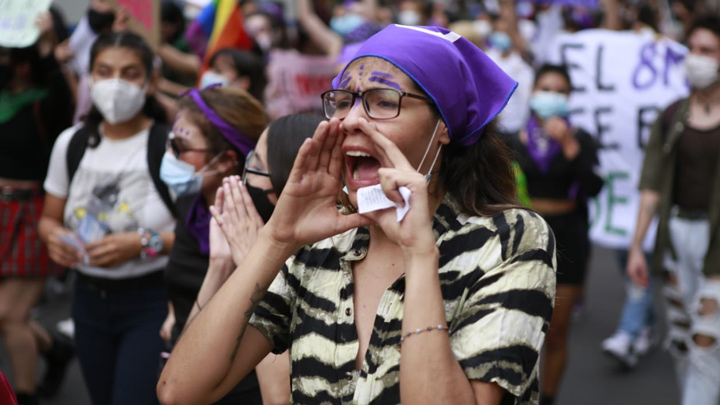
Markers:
{"x": 219, "y": 25}
{"x": 228, "y": 30}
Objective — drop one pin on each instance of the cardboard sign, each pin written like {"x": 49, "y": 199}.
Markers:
{"x": 144, "y": 18}
{"x": 295, "y": 82}
{"x": 621, "y": 82}
{"x": 17, "y": 21}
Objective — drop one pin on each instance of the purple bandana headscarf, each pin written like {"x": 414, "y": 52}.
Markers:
{"x": 198, "y": 218}
{"x": 468, "y": 88}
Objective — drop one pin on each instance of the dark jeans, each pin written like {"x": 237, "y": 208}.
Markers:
{"x": 118, "y": 341}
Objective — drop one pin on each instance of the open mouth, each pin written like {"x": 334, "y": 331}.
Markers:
{"x": 361, "y": 167}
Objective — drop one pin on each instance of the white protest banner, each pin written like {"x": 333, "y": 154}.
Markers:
{"x": 17, "y": 22}
{"x": 621, "y": 81}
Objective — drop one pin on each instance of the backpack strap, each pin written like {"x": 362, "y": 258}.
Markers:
{"x": 157, "y": 144}
{"x": 76, "y": 150}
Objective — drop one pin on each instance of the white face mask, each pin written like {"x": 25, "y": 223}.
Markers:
{"x": 117, "y": 100}
{"x": 702, "y": 71}
{"x": 483, "y": 28}
{"x": 209, "y": 78}
{"x": 408, "y": 17}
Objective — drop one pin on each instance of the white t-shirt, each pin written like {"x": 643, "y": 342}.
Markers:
{"x": 516, "y": 113}
{"x": 114, "y": 175}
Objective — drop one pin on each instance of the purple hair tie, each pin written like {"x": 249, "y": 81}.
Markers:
{"x": 235, "y": 137}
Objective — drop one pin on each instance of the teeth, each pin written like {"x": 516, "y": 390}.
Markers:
{"x": 356, "y": 153}
{"x": 356, "y": 175}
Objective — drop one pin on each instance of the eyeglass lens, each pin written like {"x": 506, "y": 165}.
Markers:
{"x": 378, "y": 103}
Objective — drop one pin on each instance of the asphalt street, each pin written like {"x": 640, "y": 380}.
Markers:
{"x": 591, "y": 377}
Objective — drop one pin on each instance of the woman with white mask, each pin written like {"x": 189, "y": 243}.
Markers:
{"x": 108, "y": 216}
{"x": 558, "y": 159}
{"x": 680, "y": 183}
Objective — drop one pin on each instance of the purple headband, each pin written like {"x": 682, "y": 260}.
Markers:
{"x": 230, "y": 133}
{"x": 468, "y": 88}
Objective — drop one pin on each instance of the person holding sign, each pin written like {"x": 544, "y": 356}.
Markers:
{"x": 446, "y": 304}
{"x": 108, "y": 215}
{"x": 681, "y": 182}
{"x": 558, "y": 161}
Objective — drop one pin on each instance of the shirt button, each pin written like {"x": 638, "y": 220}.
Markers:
{"x": 356, "y": 252}
{"x": 349, "y": 377}
{"x": 348, "y": 311}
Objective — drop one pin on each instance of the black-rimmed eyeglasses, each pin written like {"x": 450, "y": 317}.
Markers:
{"x": 178, "y": 148}
{"x": 251, "y": 168}
{"x": 380, "y": 104}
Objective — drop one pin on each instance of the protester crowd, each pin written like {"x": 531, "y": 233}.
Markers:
{"x": 216, "y": 192}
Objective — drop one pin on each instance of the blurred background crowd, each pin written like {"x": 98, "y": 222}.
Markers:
{"x": 595, "y": 79}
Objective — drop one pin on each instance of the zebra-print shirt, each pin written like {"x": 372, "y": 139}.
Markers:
{"x": 497, "y": 277}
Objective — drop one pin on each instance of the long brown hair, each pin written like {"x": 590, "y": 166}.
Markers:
{"x": 480, "y": 176}
{"x": 237, "y": 107}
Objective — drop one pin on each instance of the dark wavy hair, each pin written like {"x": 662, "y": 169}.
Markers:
{"x": 561, "y": 70}
{"x": 285, "y": 136}
{"x": 246, "y": 64}
{"x": 135, "y": 43}
{"x": 480, "y": 176}
{"x": 708, "y": 22}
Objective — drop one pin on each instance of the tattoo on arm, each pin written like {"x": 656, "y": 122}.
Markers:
{"x": 255, "y": 298}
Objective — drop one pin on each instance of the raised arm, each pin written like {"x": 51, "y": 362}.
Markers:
{"x": 219, "y": 341}
{"x": 318, "y": 31}
{"x": 430, "y": 372}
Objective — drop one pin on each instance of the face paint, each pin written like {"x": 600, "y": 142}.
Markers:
{"x": 384, "y": 78}
{"x": 345, "y": 80}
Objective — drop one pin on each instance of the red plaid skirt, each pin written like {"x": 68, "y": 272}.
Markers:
{"x": 22, "y": 253}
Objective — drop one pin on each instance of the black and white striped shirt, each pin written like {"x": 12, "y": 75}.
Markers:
{"x": 497, "y": 276}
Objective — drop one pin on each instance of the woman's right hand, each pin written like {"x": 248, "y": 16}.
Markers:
{"x": 236, "y": 217}
{"x": 60, "y": 252}
{"x": 637, "y": 267}
{"x": 307, "y": 209}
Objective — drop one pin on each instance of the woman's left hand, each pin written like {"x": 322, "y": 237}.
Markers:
{"x": 114, "y": 249}
{"x": 414, "y": 232}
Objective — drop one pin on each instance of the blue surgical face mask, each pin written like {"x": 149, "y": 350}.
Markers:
{"x": 181, "y": 177}
{"x": 501, "y": 41}
{"x": 346, "y": 24}
{"x": 546, "y": 104}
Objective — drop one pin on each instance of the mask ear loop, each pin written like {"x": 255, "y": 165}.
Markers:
{"x": 212, "y": 161}
{"x": 427, "y": 150}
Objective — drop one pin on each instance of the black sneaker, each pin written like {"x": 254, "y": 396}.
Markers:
{"x": 57, "y": 360}
{"x": 24, "y": 398}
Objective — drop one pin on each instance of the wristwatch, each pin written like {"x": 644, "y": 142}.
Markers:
{"x": 152, "y": 243}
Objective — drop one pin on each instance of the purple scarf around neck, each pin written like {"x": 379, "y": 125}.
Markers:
{"x": 197, "y": 223}
{"x": 541, "y": 148}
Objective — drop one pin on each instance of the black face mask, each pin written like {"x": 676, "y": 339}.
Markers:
{"x": 262, "y": 204}
{"x": 99, "y": 21}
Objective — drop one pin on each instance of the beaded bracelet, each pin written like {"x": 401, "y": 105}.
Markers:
{"x": 419, "y": 331}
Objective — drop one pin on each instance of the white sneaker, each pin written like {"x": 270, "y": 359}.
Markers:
{"x": 645, "y": 342}
{"x": 620, "y": 347}
{"x": 66, "y": 327}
